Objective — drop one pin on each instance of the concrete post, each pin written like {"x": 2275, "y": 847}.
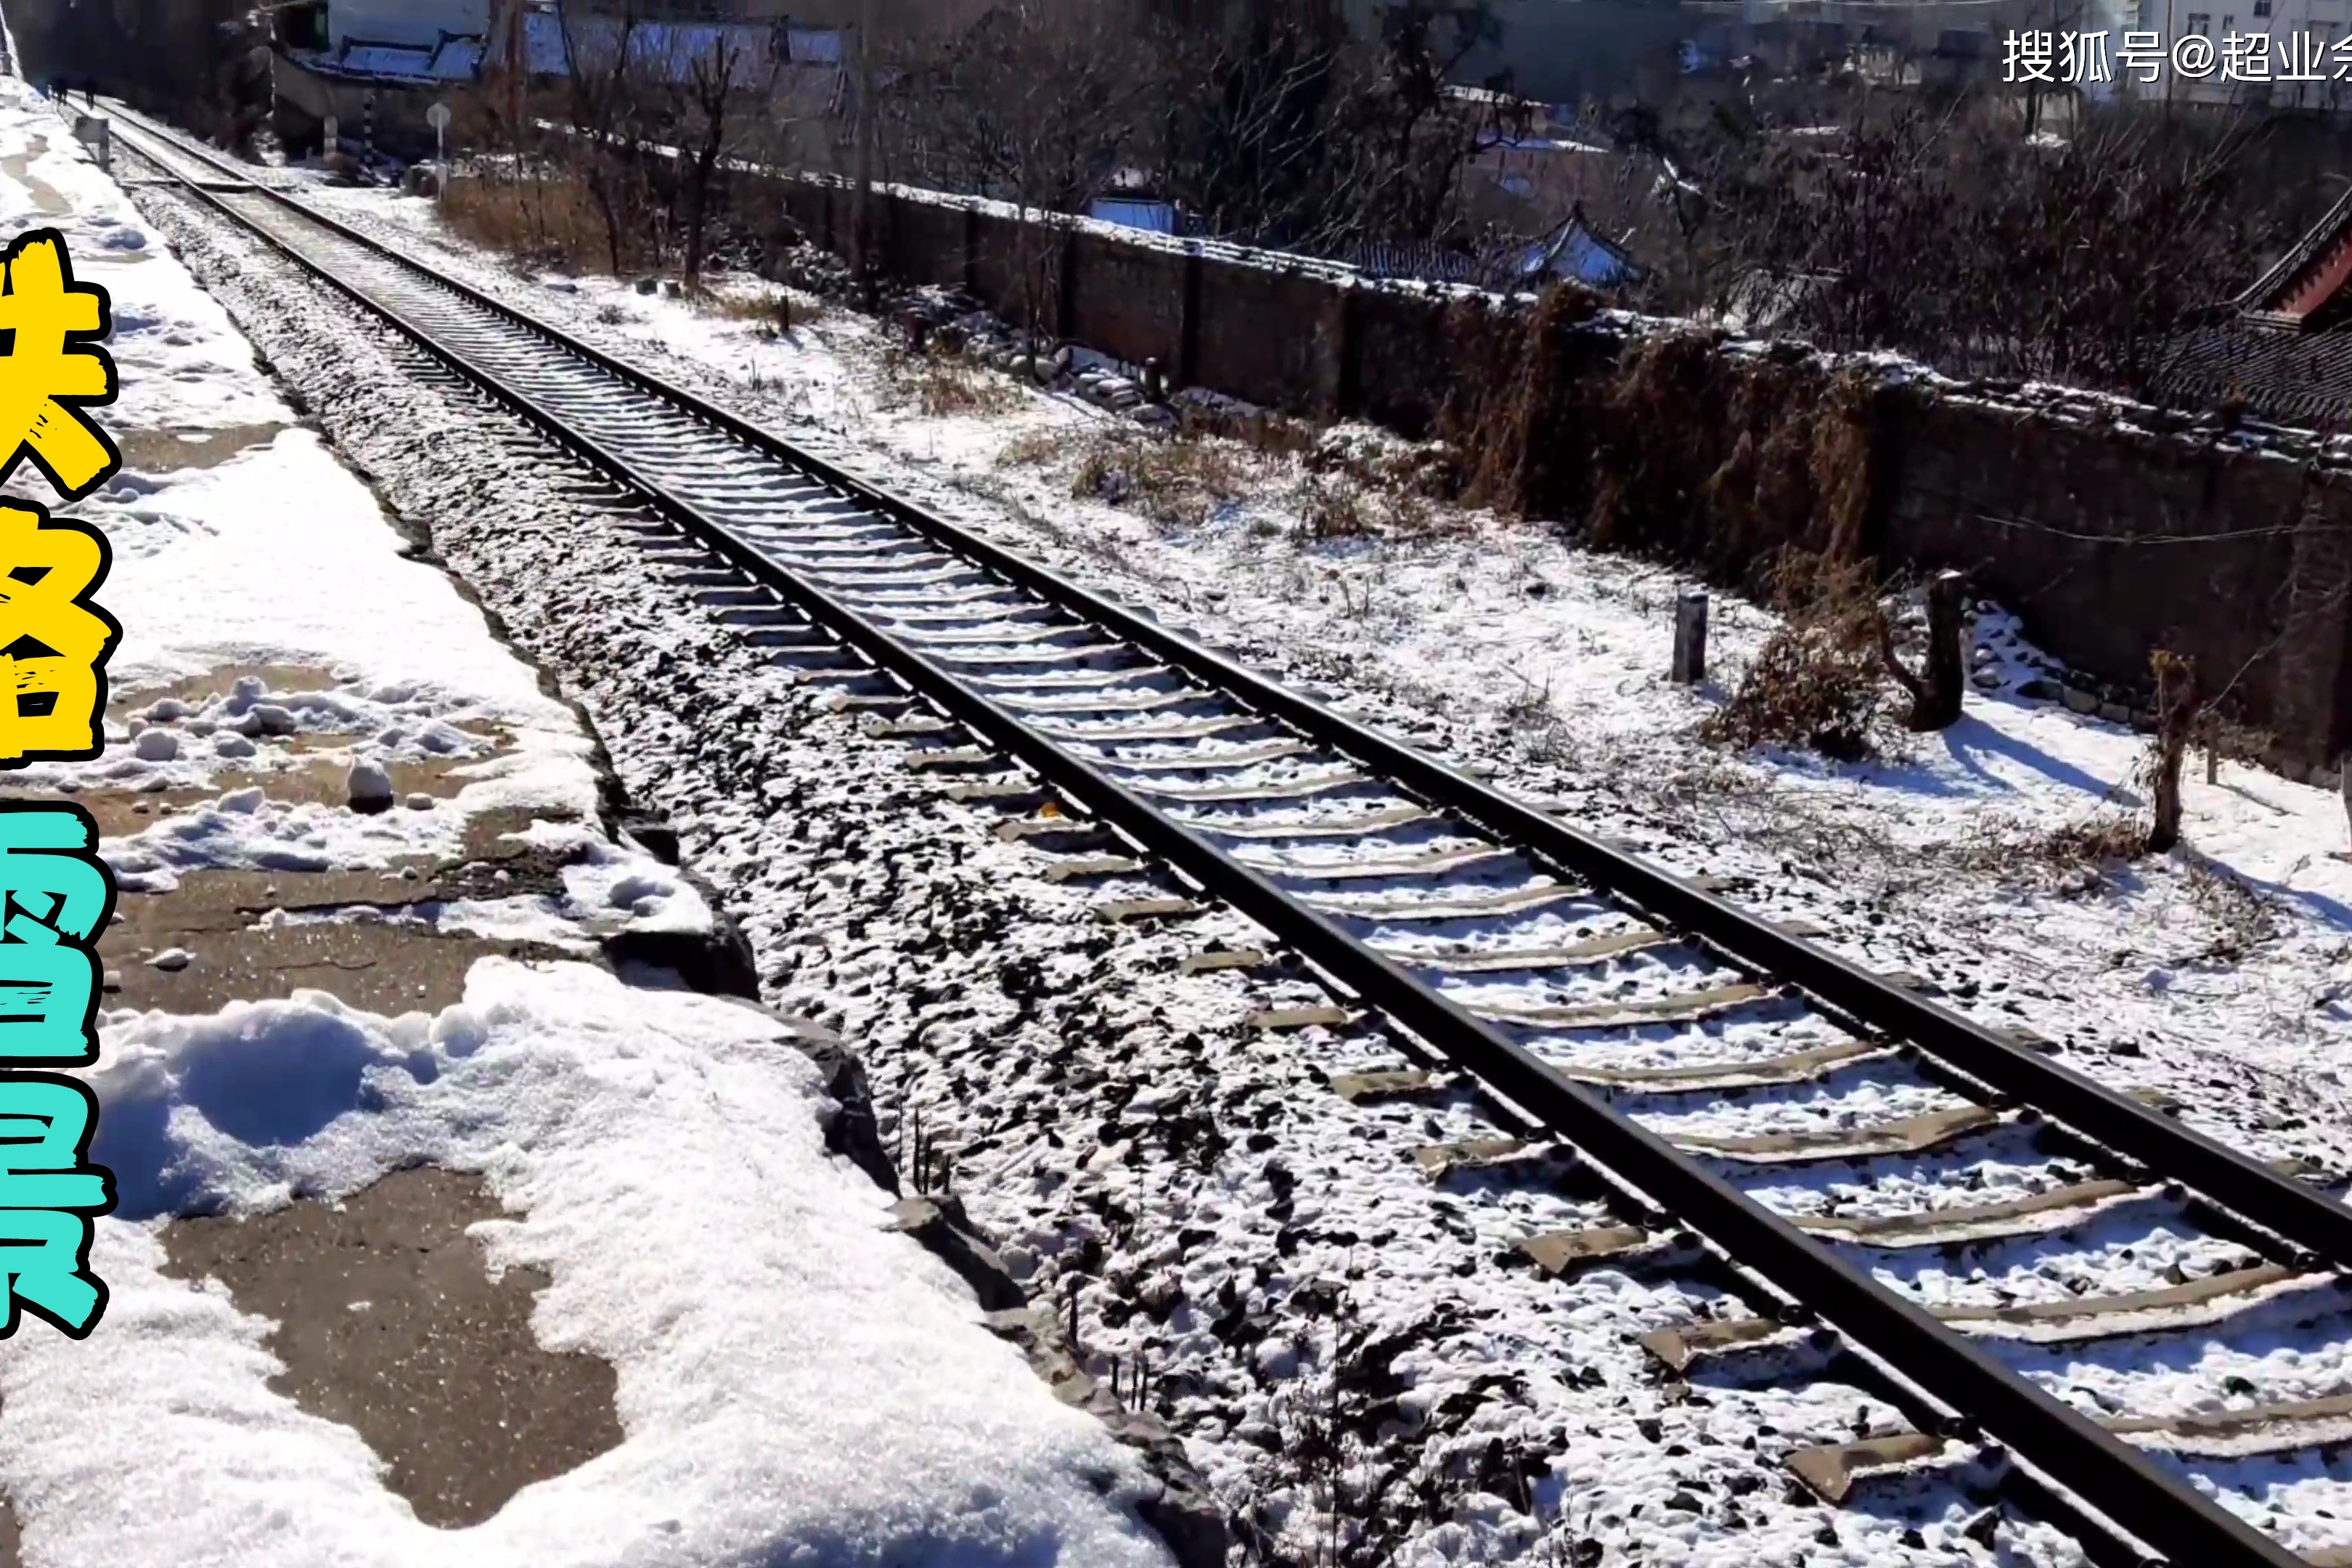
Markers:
{"x": 1690, "y": 637}
{"x": 93, "y": 132}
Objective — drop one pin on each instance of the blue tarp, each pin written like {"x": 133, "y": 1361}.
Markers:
{"x": 1136, "y": 212}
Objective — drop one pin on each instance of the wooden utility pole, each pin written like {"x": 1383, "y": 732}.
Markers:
{"x": 861, "y": 239}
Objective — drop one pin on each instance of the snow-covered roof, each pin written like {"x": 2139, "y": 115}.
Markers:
{"x": 1574, "y": 251}
{"x": 448, "y": 59}
{"x": 422, "y": 23}
{"x": 668, "y": 49}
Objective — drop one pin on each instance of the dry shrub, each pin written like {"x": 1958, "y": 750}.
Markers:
{"x": 1332, "y": 508}
{"x": 770, "y": 315}
{"x": 951, "y": 387}
{"x": 1030, "y": 450}
{"x": 1378, "y": 460}
{"x": 1661, "y": 421}
{"x": 2090, "y": 847}
{"x": 1411, "y": 516}
{"x": 2242, "y": 916}
{"x": 1262, "y": 430}
{"x": 2075, "y": 858}
{"x": 1729, "y": 460}
{"x": 551, "y": 223}
{"x": 942, "y": 384}
{"x": 1519, "y": 411}
{"x": 1818, "y": 681}
{"x": 1338, "y": 506}
{"x": 1177, "y": 482}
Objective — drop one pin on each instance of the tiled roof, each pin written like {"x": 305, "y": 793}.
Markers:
{"x": 2280, "y": 373}
{"x": 2311, "y": 274}
{"x": 2286, "y": 353}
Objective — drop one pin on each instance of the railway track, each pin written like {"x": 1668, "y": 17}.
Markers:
{"x": 1900, "y": 1197}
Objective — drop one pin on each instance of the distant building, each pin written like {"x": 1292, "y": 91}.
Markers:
{"x": 1533, "y": 165}
{"x": 1570, "y": 252}
{"x": 1575, "y": 253}
{"x": 373, "y": 66}
{"x": 2283, "y": 351}
{"x": 2313, "y": 26}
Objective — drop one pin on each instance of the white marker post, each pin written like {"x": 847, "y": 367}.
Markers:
{"x": 437, "y": 117}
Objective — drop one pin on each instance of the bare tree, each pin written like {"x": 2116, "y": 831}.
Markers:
{"x": 1038, "y": 105}
{"x": 718, "y": 80}
{"x": 603, "y": 99}
{"x": 1957, "y": 234}
{"x": 1267, "y": 124}
{"x": 1286, "y": 128}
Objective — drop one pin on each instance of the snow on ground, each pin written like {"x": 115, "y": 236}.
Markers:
{"x": 1271, "y": 1252}
{"x": 2228, "y": 963}
{"x": 795, "y": 1385}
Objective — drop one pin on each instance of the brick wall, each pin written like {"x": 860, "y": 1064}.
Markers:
{"x": 2109, "y": 540}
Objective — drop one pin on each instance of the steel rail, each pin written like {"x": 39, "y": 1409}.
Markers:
{"x": 2117, "y": 1478}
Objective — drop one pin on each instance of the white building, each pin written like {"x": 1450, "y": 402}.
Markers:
{"x": 2284, "y": 53}
{"x": 402, "y": 21}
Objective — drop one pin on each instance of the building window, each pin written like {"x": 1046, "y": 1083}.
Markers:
{"x": 2201, "y": 22}
{"x": 2261, "y": 7}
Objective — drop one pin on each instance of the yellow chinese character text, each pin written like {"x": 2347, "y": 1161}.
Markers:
{"x": 44, "y": 383}
{"x": 53, "y": 645}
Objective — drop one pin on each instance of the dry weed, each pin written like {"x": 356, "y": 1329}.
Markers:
{"x": 771, "y": 316}
{"x": 942, "y": 384}
{"x": 551, "y": 223}
{"x": 1332, "y": 507}
{"x": 1176, "y": 482}
{"x": 2077, "y": 858}
{"x": 1339, "y": 506}
{"x": 1519, "y": 418}
{"x": 2242, "y": 916}
{"x": 1032, "y": 450}
{"x": 1818, "y": 680}
{"x": 1380, "y": 461}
